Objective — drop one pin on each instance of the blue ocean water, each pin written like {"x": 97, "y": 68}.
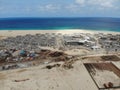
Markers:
{"x": 105, "y": 24}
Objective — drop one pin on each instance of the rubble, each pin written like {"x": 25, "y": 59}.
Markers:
{"x": 110, "y": 58}
{"x": 108, "y": 85}
{"x": 52, "y": 66}
{"x": 103, "y": 58}
{"x": 68, "y": 64}
{"x": 56, "y": 54}
{"x": 20, "y": 58}
{"x": 7, "y": 67}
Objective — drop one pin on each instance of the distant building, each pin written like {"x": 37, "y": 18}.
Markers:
{"x": 95, "y": 47}
{"x": 76, "y": 42}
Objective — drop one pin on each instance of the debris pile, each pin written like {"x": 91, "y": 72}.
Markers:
{"x": 49, "y": 53}
{"x": 13, "y": 58}
{"x": 110, "y": 58}
{"x": 56, "y": 54}
{"x": 7, "y": 67}
{"x": 68, "y": 64}
{"x": 108, "y": 85}
{"x": 21, "y": 80}
{"x": 102, "y": 58}
{"x": 51, "y": 66}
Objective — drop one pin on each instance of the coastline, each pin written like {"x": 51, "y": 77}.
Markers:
{"x": 12, "y": 33}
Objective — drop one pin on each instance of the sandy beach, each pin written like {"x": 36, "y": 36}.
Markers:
{"x": 6, "y": 33}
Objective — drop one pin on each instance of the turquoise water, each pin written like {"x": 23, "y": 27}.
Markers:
{"x": 101, "y": 24}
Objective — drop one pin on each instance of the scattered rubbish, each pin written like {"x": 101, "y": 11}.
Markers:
{"x": 108, "y": 85}
{"x": 51, "y": 66}
{"x": 22, "y": 57}
{"x": 22, "y": 65}
{"x": 16, "y": 53}
{"x": 21, "y": 80}
{"x": 23, "y": 53}
{"x": 110, "y": 58}
{"x": 7, "y": 67}
{"x": 68, "y": 64}
{"x": 105, "y": 85}
{"x": 56, "y": 54}
{"x": 61, "y": 58}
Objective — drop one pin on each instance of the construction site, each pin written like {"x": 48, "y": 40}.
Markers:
{"x": 73, "y": 67}
{"x": 56, "y": 69}
{"x": 105, "y": 75}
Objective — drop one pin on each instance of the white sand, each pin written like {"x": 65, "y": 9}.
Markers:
{"x": 44, "y": 79}
{"x": 66, "y": 31}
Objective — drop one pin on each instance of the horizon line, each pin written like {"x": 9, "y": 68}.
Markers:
{"x": 53, "y": 17}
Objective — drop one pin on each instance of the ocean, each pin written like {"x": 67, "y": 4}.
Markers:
{"x": 101, "y": 24}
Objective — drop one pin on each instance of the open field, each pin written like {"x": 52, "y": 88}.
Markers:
{"x": 39, "y": 78}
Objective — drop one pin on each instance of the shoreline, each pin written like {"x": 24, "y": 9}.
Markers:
{"x": 12, "y": 33}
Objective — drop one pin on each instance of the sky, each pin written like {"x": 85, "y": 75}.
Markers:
{"x": 59, "y": 8}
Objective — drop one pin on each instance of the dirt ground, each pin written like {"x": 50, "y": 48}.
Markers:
{"x": 102, "y": 58}
{"x": 39, "y": 78}
{"x": 104, "y": 73}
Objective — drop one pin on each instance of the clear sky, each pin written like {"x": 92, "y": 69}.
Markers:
{"x": 59, "y": 8}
